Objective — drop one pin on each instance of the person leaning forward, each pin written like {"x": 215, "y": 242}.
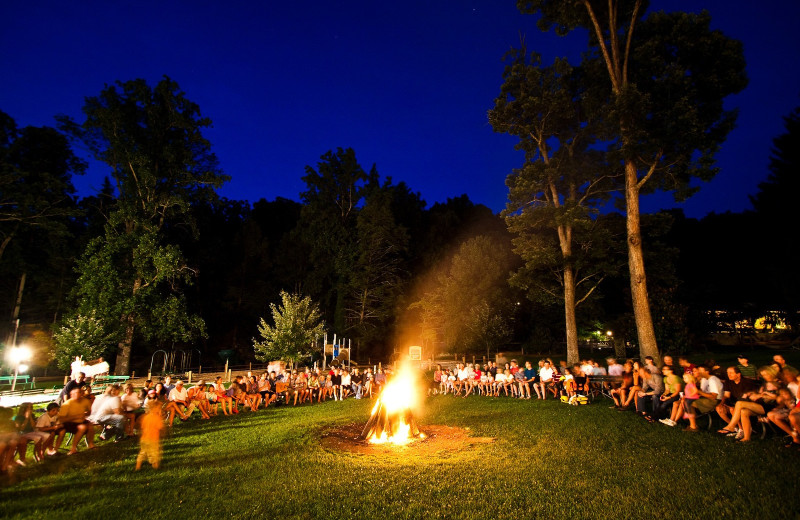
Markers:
{"x": 73, "y": 415}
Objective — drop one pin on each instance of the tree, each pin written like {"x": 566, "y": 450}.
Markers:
{"x": 489, "y": 325}
{"x": 474, "y": 278}
{"x": 667, "y": 76}
{"x": 84, "y": 336}
{"x": 561, "y": 183}
{"x": 36, "y": 169}
{"x": 152, "y": 140}
{"x": 335, "y": 189}
{"x": 378, "y": 273}
{"x": 777, "y": 217}
{"x": 297, "y": 324}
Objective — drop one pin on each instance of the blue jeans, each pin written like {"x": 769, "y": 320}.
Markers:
{"x": 664, "y": 408}
{"x": 641, "y": 402}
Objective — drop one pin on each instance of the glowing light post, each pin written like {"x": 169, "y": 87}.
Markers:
{"x": 17, "y": 355}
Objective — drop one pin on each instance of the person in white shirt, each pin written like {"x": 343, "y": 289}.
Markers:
{"x": 344, "y": 389}
{"x": 451, "y": 383}
{"x": 546, "y": 379}
{"x": 107, "y": 411}
{"x": 131, "y": 405}
{"x": 499, "y": 382}
{"x": 710, "y": 394}
{"x": 180, "y": 396}
{"x": 462, "y": 376}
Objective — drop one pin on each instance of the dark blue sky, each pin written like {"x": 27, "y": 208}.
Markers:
{"x": 405, "y": 84}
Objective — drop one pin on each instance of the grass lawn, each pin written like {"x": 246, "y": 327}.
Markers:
{"x": 548, "y": 460}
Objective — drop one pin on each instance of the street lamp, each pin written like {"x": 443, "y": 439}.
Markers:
{"x": 16, "y": 356}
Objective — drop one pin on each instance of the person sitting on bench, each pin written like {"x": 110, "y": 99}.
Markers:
{"x": 73, "y": 415}
{"x": 107, "y": 412}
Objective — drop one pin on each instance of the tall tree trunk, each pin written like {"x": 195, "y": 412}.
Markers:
{"x": 565, "y": 241}
{"x": 122, "y": 366}
{"x": 7, "y": 240}
{"x": 17, "y": 307}
{"x": 569, "y": 314}
{"x": 641, "y": 305}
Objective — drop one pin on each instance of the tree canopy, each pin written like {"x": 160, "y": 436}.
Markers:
{"x": 666, "y": 77}
{"x": 160, "y": 162}
{"x": 297, "y": 324}
{"x": 36, "y": 190}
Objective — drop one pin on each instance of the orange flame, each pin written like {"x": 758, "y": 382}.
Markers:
{"x": 399, "y": 395}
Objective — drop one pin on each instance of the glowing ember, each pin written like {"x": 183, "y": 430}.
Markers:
{"x": 391, "y": 419}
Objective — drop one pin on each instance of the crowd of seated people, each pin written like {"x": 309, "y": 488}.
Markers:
{"x": 666, "y": 394}
{"x": 522, "y": 382}
{"x": 116, "y": 413}
{"x": 738, "y": 395}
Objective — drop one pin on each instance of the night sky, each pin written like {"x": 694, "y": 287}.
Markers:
{"x": 406, "y": 84}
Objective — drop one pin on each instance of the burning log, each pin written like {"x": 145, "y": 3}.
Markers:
{"x": 383, "y": 425}
{"x": 392, "y": 419}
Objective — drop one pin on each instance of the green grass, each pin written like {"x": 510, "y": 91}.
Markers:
{"x": 549, "y": 460}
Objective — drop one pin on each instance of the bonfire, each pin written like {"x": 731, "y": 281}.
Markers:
{"x": 392, "y": 418}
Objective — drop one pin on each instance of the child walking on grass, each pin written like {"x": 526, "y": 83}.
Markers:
{"x": 150, "y": 441}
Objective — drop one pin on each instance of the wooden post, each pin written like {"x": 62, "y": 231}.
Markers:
{"x": 200, "y": 369}
{"x": 133, "y": 374}
{"x": 251, "y": 366}
{"x": 189, "y": 377}
{"x": 226, "y": 365}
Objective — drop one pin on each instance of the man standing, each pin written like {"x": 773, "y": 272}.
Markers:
{"x": 614, "y": 368}
{"x": 746, "y": 369}
{"x": 79, "y": 382}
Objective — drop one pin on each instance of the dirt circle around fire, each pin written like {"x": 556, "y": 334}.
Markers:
{"x": 438, "y": 440}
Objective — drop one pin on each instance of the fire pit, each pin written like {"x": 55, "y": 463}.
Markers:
{"x": 392, "y": 417}
{"x": 391, "y": 427}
